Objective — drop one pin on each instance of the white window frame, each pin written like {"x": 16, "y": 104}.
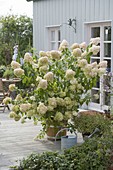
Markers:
{"x": 56, "y": 41}
{"x": 87, "y": 36}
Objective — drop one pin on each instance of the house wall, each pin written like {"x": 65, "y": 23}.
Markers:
{"x": 57, "y": 12}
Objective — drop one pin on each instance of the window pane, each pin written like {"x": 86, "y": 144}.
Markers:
{"x": 107, "y": 50}
{"x": 106, "y": 99}
{"x": 59, "y": 35}
{"x": 95, "y": 32}
{"x": 52, "y": 35}
{"x": 107, "y": 33}
{"x": 95, "y": 96}
{"x": 108, "y": 65}
{"x": 53, "y": 46}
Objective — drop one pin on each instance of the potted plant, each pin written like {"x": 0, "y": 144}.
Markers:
{"x": 59, "y": 81}
{"x": 87, "y": 121}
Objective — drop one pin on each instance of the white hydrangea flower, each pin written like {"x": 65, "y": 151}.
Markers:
{"x": 18, "y": 72}
{"x": 15, "y": 65}
{"x": 101, "y": 71}
{"x": 32, "y": 98}
{"x": 43, "y": 61}
{"x": 15, "y": 108}
{"x": 12, "y": 87}
{"x": 70, "y": 74}
{"x": 67, "y": 101}
{"x": 42, "y": 84}
{"x": 42, "y": 54}
{"x": 42, "y": 109}
{"x": 18, "y": 97}
{"x": 75, "y": 45}
{"x": 43, "y": 69}
{"x": 77, "y": 52}
{"x": 52, "y": 102}
{"x": 82, "y": 63}
{"x": 38, "y": 78}
{"x": 25, "y": 107}
{"x": 28, "y": 58}
{"x": 103, "y": 64}
{"x": 83, "y": 45}
{"x": 58, "y": 116}
{"x": 7, "y": 100}
{"x": 95, "y": 41}
{"x": 55, "y": 54}
{"x": 68, "y": 114}
{"x": 12, "y": 114}
{"x": 94, "y": 49}
{"x": 64, "y": 44}
{"x": 49, "y": 76}
{"x": 74, "y": 113}
{"x": 60, "y": 101}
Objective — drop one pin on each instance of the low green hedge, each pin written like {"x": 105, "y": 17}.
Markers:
{"x": 93, "y": 154}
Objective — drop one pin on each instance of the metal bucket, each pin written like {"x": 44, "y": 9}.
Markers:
{"x": 67, "y": 141}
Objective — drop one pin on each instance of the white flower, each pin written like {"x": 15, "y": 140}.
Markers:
{"x": 12, "y": 87}
{"x": 82, "y": 63}
{"x": 42, "y": 54}
{"x": 7, "y": 100}
{"x": 30, "y": 113}
{"x": 42, "y": 84}
{"x": 64, "y": 44}
{"x": 60, "y": 101}
{"x": 42, "y": 109}
{"x": 95, "y": 41}
{"x": 15, "y": 108}
{"x": 28, "y": 58}
{"x": 67, "y": 101}
{"x": 101, "y": 71}
{"x": 68, "y": 114}
{"x": 75, "y": 45}
{"x": 43, "y": 69}
{"x": 25, "y": 107}
{"x": 58, "y": 116}
{"x": 15, "y": 65}
{"x": 70, "y": 74}
{"x": 77, "y": 52}
{"x": 103, "y": 64}
{"x": 18, "y": 72}
{"x": 95, "y": 49}
{"x": 32, "y": 98}
{"x": 94, "y": 64}
{"x": 18, "y": 97}
{"x": 96, "y": 96}
{"x": 55, "y": 54}
{"x": 83, "y": 45}
{"x": 74, "y": 113}
{"x": 49, "y": 76}
{"x": 12, "y": 114}
{"x": 52, "y": 102}
{"x": 38, "y": 78}
{"x": 43, "y": 61}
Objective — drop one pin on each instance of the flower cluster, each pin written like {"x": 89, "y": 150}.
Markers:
{"x": 62, "y": 79}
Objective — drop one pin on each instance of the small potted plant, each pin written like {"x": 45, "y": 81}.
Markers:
{"x": 87, "y": 121}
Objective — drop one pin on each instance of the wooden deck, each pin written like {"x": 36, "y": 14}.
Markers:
{"x": 17, "y": 141}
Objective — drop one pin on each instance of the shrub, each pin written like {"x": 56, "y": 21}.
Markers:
{"x": 94, "y": 154}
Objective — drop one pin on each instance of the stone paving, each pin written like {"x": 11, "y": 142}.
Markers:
{"x": 17, "y": 141}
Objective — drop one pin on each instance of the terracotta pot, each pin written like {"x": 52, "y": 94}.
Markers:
{"x": 52, "y": 131}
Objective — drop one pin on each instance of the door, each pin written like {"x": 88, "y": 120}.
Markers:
{"x": 100, "y": 99}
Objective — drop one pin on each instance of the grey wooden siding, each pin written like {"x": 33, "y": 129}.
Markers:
{"x": 57, "y": 12}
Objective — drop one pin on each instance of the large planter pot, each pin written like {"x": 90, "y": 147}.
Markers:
{"x": 52, "y": 131}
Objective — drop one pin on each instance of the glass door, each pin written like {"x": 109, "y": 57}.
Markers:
{"x": 100, "y": 98}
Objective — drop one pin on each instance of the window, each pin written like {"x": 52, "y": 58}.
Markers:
{"x": 102, "y": 30}
{"x": 54, "y": 38}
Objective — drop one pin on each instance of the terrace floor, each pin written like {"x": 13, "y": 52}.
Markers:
{"x": 17, "y": 141}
